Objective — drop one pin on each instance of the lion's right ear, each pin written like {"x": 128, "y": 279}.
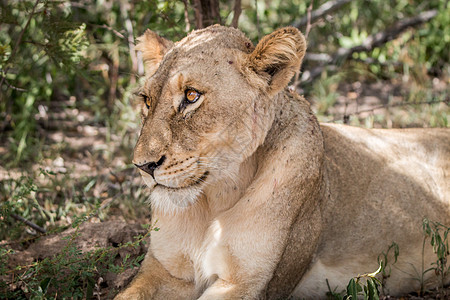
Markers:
{"x": 153, "y": 48}
{"x": 278, "y": 56}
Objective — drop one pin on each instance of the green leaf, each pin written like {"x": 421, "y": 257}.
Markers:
{"x": 44, "y": 284}
{"x": 90, "y": 288}
{"x": 372, "y": 289}
{"x": 352, "y": 289}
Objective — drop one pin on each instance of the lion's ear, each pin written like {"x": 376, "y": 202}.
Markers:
{"x": 153, "y": 48}
{"x": 278, "y": 57}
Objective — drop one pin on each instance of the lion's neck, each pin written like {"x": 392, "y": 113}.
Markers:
{"x": 223, "y": 194}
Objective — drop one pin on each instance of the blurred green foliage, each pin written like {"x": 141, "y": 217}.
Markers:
{"x": 57, "y": 55}
{"x": 352, "y": 23}
{"x": 65, "y": 49}
{"x": 54, "y": 50}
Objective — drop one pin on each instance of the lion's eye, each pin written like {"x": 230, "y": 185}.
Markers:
{"x": 191, "y": 95}
{"x": 146, "y": 100}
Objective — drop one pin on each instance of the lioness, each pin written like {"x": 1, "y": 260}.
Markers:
{"x": 252, "y": 197}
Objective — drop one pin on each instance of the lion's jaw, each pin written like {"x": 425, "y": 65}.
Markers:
{"x": 173, "y": 193}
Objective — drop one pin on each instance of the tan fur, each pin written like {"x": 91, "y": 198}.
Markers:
{"x": 153, "y": 48}
{"x": 254, "y": 199}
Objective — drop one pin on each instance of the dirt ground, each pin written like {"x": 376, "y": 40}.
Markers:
{"x": 84, "y": 143}
{"x": 112, "y": 234}
{"x": 91, "y": 236}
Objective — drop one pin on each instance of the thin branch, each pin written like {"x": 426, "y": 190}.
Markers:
{"x": 371, "y": 42}
{"x": 237, "y": 12}
{"x": 13, "y": 87}
{"x": 346, "y": 116}
{"x": 308, "y": 20}
{"x": 383, "y": 37}
{"x": 125, "y": 7}
{"x": 29, "y": 223}
{"x": 321, "y": 57}
{"x": 116, "y": 33}
{"x": 326, "y": 58}
{"x": 257, "y": 20}
{"x": 198, "y": 14}
{"x": 324, "y": 9}
{"x": 215, "y": 12}
{"x": 308, "y": 29}
{"x": 186, "y": 16}
{"x": 16, "y": 46}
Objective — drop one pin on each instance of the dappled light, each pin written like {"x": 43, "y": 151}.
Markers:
{"x": 227, "y": 145}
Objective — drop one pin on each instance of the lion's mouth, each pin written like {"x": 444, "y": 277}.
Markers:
{"x": 198, "y": 182}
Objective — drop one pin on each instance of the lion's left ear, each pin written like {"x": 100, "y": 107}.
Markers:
{"x": 153, "y": 48}
{"x": 278, "y": 57}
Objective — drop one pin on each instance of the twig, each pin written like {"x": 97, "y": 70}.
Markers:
{"x": 16, "y": 46}
{"x": 237, "y": 12}
{"x": 206, "y": 13}
{"x": 386, "y": 106}
{"x": 29, "y": 223}
{"x": 308, "y": 20}
{"x": 198, "y": 14}
{"x": 383, "y": 37}
{"x": 308, "y": 29}
{"x": 116, "y": 33}
{"x": 186, "y": 16}
{"x": 321, "y": 57}
{"x": 257, "y": 20}
{"x": 13, "y": 87}
{"x": 324, "y": 9}
{"x": 125, "y": 7}
{"x": 372, "y": 41}
{"x": 325, "y": 57}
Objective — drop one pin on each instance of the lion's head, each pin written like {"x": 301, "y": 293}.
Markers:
{"x": 207, "y": 105}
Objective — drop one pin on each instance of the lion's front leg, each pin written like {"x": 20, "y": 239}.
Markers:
{"x": 224, "y": 290}
{"x": 256, "y": 257}
{"x": 154, "y": 282}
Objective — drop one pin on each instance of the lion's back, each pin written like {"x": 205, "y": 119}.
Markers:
{"x": 384, "y": 173}
{"x": 380, "y": 184}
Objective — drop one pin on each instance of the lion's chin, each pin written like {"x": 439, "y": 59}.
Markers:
{"x": 169, "y": 201}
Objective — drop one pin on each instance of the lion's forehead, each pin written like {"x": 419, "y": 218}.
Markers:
{"x": 200, "y": 53}
{"x": 205, "y": 70}
{"x": 216, "y": 37}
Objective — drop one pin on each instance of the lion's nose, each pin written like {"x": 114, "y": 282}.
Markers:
{"x": 151, "y": 166}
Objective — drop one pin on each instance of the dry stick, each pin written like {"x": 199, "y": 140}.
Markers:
{"x": 215, "y": 11}
{"x": 14, "y": 87}
{"x": 116, "y": 33}
{"x": 324, "y": 9}
{"x": 237, "y": 12}
{"x": 186, "y": 17}
{"x": 29, "y": 223}
{"x": 257, "y": 19}
{"x": 386, "y": 106}
{"x": 125, "y": 7}
{"x": 308, "y": 22}
{"x": 383, "y": 37}
{"x": 198, "y": 14}
{"x": 308, "y": 29}
{"x": 369, "y": 43}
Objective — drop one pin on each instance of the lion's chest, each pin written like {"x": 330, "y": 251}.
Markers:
{"x": 193, "y": 253}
